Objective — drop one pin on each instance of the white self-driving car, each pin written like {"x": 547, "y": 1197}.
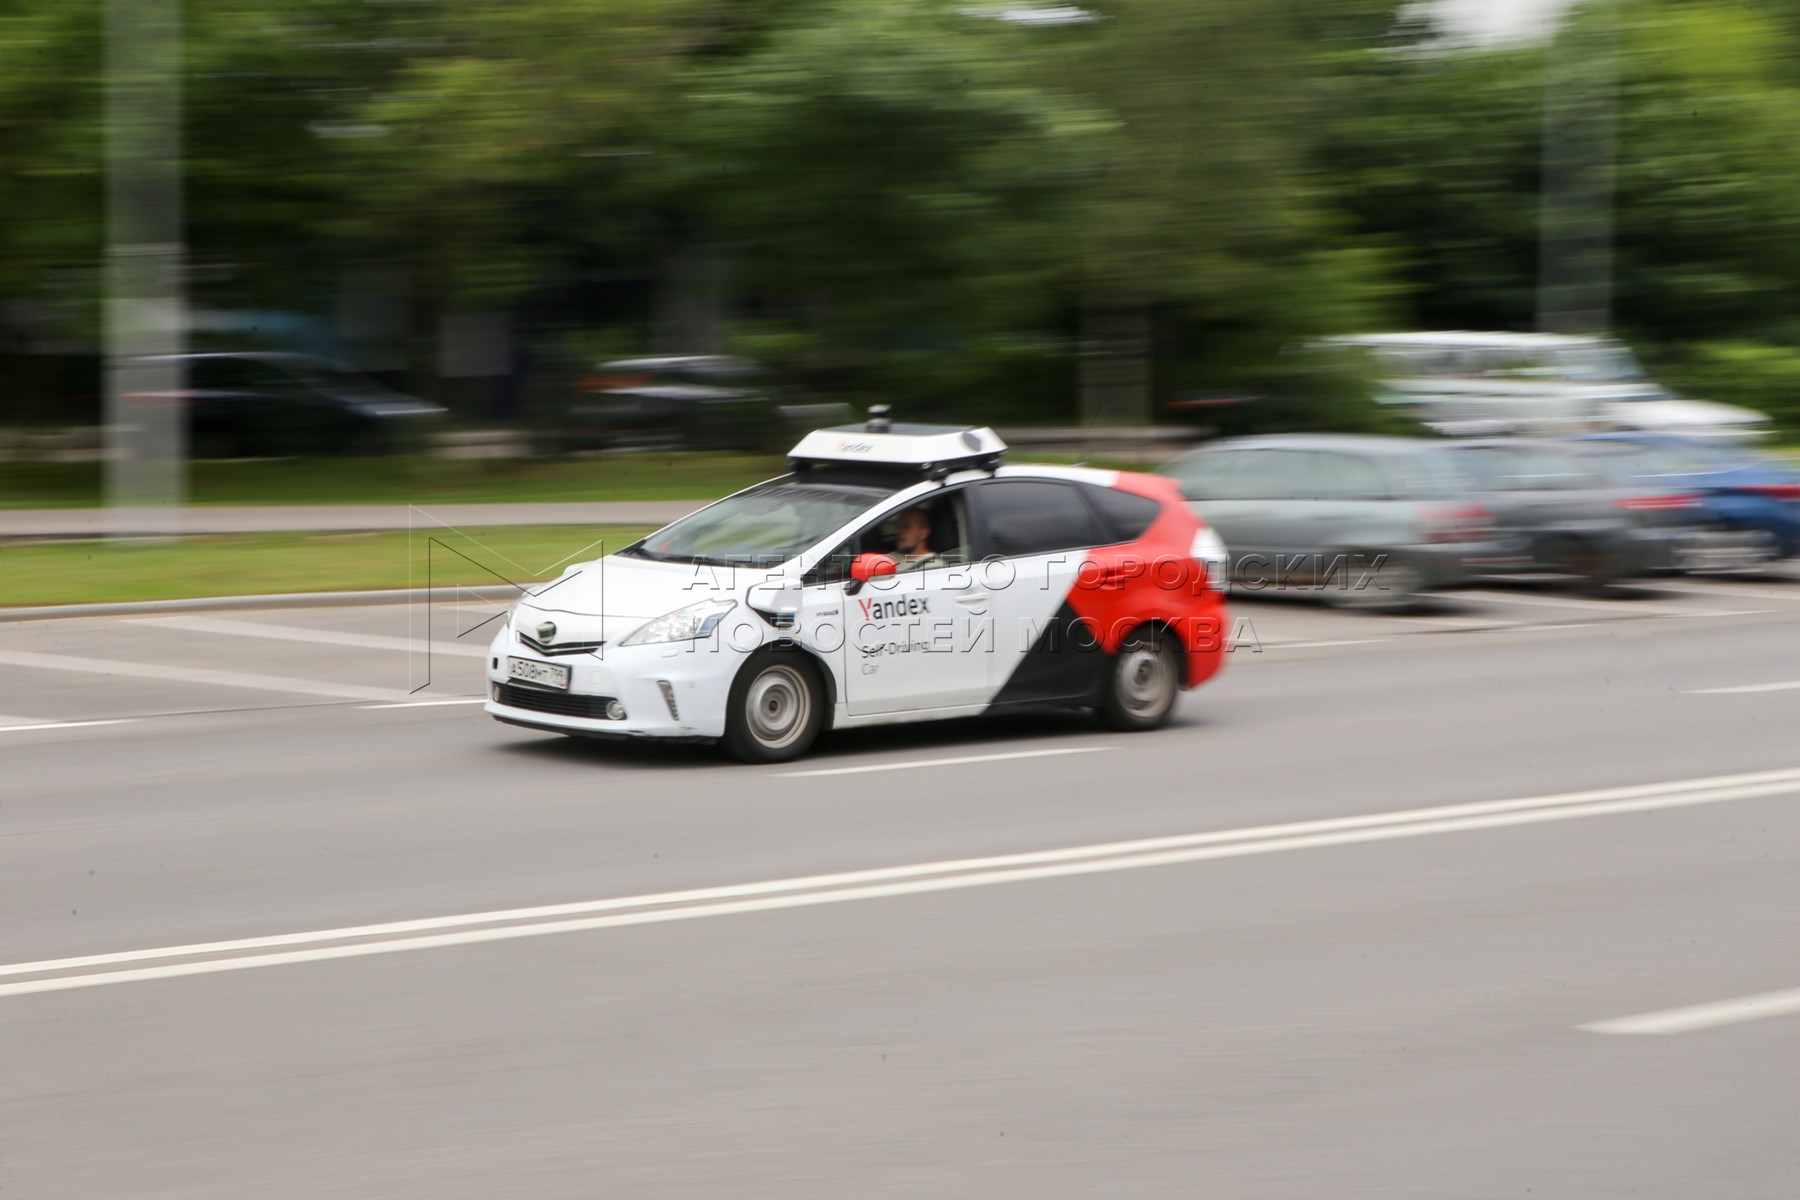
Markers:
{"x": 897, "y": 573}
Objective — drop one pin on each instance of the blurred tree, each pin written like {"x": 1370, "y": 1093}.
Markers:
{"x": 50, "y": 143}
{"x": 1209, "y": 234}
{"x": 895, "y": 188}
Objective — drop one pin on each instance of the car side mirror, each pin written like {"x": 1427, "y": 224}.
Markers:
{"x": 865, "y": 567}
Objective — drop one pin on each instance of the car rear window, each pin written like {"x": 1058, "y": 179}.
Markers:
{"x": 1125, "y": 514}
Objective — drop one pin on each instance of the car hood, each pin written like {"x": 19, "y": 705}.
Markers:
{"x": 1674, "y": 412}
{"x": 608, "y": 598}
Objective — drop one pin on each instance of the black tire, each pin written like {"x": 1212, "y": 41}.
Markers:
{"x": 1590, "y": 567}
{"x": 364, "y": 441}
{"x": 1143, "y": 683}
{"x": 776, "y": 708}
{"x": 216, "y": 444}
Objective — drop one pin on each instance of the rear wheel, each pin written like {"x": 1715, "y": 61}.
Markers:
{"x": 776, "y": 708}
{"x": 1376, "y": 581}
{"x": 1146, "y": 678}
{"x": 1588, "y": 565}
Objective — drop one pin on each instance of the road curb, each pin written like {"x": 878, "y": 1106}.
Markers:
{"x": 129, "y": 608}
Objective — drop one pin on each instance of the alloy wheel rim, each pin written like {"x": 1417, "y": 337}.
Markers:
{"x": 778, "y": 707}
{"x": 1146, "y": 679}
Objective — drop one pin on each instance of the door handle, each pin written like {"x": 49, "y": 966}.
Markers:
{"x": 972, "y": 599}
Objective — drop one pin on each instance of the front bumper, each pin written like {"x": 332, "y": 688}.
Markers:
{"x": 1719, "y": 550}
{"x": 674, "y": 690}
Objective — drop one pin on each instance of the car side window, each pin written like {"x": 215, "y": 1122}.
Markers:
{"x": 1251, "y": 474}
{"x": 267, "y": 378}
{"x": 1481, "y": 465}
{"x": 1126, "y": 514}
{"x": 1277, "y": 475}
{"x": 1203, "y": 476}
{"x": 1031, "y": 516}
{"x": 948, "y": 539}
{"x": 1348, "y": 477}
{"x": 220, "y": 375}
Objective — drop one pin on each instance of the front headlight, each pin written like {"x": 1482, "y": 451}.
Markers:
{"x": 684, "y": 624}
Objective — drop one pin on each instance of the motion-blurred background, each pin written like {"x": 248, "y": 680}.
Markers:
{"x": 1122, "y": 212}
{"x": 245, "y": 245}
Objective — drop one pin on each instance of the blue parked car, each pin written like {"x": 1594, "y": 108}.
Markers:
{"x": 1740, "y": 489}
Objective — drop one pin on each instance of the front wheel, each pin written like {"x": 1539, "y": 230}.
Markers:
{"x": 776, "y": 709}
{"x": 1146, "y": 678}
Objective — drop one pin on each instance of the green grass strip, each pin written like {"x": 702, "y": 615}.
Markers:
{"x": 36, "y": 573}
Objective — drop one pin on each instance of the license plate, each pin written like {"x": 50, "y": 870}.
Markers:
{"x": 529, "y": 670}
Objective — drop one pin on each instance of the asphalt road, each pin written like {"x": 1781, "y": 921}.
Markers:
{"x": 1364, "y": 922}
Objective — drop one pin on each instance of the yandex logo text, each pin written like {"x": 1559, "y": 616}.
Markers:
{"x": 887, "y": 610}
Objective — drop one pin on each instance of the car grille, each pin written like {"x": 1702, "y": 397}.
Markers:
{"x": 563, "y": 704}
{"x": 552, "y": 649}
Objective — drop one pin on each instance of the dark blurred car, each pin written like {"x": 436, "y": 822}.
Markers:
{"x": 1572, "y": 519}
{"x": 259, "y": 404}
{"x": 701, "y": 401}
{"x": 1750, "y": 499}
{"x": 1364, "y": 521}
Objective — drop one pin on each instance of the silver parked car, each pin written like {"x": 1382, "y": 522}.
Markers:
{"x": 1362, "y": 521}
{"x": 1569, "y": 519}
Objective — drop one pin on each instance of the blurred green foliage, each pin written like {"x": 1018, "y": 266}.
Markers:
{"x": 918, "y": 203}
{"x": 1754, "y": 374}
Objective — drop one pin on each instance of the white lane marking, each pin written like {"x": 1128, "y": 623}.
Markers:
{"x": 324, "y": 637}
{"x": 1622, "y": 608}
{"x": 428, "y": 703}
{"x": 1321, "y": 645}
{"x": 1717, "y": 592}
{"x": 32, "y": 726}
{"x": 919, "y": 878}
{"x": 939, "y": 762}
{"x": 236, "y": 679}
{"x": 1704, "y": 1016}
{"x": 1458, "y": 622}
{"x": 1746, "y": 689}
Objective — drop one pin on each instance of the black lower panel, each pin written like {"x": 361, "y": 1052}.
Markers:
{"x": 567, "y": 704}
{"x": 1065, "y": 665}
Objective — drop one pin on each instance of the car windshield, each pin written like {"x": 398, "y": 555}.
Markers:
{"x": 1642, "y": 460}
{"x": 1703, "y": 457}
{"x": 1604, "y": 363}
{"x": 1428, "y": 473}
{"x": 762, "y": 527}
{"x": 330, "y": 377}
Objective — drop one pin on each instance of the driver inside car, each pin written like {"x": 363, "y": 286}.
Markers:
{"x": 912, "y": 541}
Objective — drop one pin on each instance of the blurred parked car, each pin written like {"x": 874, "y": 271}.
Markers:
{"x": 1754, "y": 497}
{"x": 1571, "y": 519}
{"x": 710, "y": 402}
{"x": 257, "y": 404}
{"x": 1364, "y": 521}
{"x": 1539, "y": 383}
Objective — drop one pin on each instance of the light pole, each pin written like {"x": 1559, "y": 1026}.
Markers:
{"x": 1575, "y": 230}
{"x": 144, "y": 311}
